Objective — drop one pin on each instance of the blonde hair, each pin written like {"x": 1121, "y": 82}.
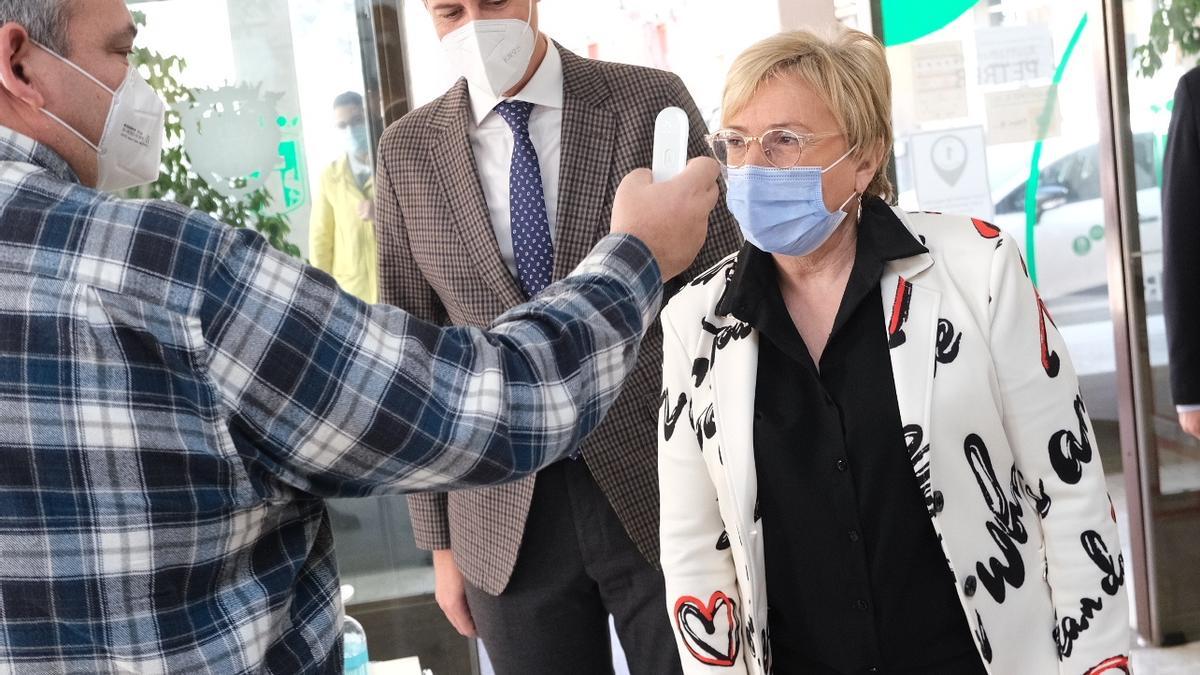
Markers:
{"x": 847, "y": 69}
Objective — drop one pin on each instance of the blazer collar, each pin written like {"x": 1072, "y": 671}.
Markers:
{"x": 586, "y": 181}
{"x": 583, "y": 80}
{"x": 453, "y": 162}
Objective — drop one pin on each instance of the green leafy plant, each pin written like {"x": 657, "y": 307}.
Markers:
{"x": 177, "y": 181}
{"x": 1174, "y": 22}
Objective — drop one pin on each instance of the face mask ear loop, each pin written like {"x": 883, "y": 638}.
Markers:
{"x": 71, "y": 129}
{"x": 838, "y": 161}
{"x": 847, "y": 202}
{"x": 529, "y": 19}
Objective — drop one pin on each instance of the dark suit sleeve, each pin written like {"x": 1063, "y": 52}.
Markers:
{"x": 402, "y": 285}
{"x": 724, "y": 235}
{"x": 1181, "y": 242}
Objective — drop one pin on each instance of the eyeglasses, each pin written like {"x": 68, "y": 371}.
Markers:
{"x": 782, "y": 148}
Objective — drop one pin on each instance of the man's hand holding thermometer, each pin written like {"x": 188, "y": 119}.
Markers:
{"x": 668, "y": 208}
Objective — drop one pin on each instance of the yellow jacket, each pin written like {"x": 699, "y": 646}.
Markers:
{"x": 340, "y": 241}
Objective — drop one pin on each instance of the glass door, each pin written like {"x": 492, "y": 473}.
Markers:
{"x": 1169, "y": 459}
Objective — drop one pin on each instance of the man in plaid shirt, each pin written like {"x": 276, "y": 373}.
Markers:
{"x": 177, "y": 398}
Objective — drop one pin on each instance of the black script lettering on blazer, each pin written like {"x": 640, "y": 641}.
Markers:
{"x": 918, "y": 456}
{"x": 985, "y": 645}
{"x": 1006, "y": 528}
{"x": 706, "y": 426}
{"x": 948, "y": 343}
{"x": 725, "y": 267}
{"x": 1069, "y": 453}
{"x": 722, "y": 337}
{"x": 1041, "y": 500}
{"x": 1113, "y": 568}
{"x": 671, "y": 417}
{"x": 1070, "y": 628}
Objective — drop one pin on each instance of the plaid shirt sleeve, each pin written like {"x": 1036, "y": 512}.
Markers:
{"x": 339, "y": 398}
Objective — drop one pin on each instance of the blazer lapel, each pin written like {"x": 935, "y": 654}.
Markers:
{"x": 733, "y": 367}
{"x": 585, "y": 185}
{"x": 454, "y": 163}
{"x": 911, "y": 319}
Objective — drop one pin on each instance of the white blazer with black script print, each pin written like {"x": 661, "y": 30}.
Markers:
{"x": 997, "y": 433}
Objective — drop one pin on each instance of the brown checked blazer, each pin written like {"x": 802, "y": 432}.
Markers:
{"x": 439, "y": 260}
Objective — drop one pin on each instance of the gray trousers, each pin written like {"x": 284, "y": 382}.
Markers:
{"x": 577, "y": 565}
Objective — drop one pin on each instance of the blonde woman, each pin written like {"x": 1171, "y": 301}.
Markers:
{"x": 873, "y": 457}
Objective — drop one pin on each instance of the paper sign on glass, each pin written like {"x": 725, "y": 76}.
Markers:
{"x": 939, "y": 81}
{"x": 1016, "y": 116}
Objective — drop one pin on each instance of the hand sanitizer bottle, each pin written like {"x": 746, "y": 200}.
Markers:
{"x": 354, "y": 641}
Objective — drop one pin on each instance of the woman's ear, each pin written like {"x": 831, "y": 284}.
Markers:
{"x": 16, "y": 50}
{"x": 867, "y": 167}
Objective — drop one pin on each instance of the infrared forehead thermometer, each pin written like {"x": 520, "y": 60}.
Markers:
{"x": 670, "y": 144}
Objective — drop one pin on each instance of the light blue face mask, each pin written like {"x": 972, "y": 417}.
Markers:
{"x": 355, "y": 140}
{"x": 783, "y": 210}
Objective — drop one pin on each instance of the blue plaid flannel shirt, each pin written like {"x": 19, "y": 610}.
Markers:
{"x": 177, "y": 398}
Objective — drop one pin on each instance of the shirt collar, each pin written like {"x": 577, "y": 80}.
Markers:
{"x": 545, "y": 88}
{"x": 15, "y": 147}
{"x": 882, "y": 237}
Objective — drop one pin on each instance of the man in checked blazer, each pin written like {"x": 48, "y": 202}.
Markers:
{"x": 482, "y": 197}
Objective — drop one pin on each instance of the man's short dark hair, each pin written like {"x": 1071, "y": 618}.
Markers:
{"x": 349, "y": 99}
{"x": 44, "y": 20}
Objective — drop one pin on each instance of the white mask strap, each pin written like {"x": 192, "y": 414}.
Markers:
{"x": 847, "y": 202}
{"x": 839, "y": 160}
{"x": 71, "y": 129}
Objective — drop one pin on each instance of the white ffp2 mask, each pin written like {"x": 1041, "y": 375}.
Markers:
{"x": 493, "y": 54}
{"x": 130, "y": 148}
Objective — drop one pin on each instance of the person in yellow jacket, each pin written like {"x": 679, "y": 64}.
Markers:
{"x": 342, "y": 229}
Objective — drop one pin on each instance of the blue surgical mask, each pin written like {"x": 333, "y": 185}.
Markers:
{"x": 355, "y": 140}
{"x": 783, "y": 210}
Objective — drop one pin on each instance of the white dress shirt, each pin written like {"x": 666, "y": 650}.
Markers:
{"x": 492, "y": 142}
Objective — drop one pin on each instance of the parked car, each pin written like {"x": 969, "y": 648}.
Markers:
{"x": 1070, "y": 238}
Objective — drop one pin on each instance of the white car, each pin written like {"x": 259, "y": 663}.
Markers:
{"x": 1070, "y": 236}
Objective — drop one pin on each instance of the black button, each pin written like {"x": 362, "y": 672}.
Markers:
{"x": 969, "y": 586}
{"x": 859, "y": 604}
{"x": 939, "y": 502}
{"x": 854, "y": 535}
{"x": 842, "y": 465}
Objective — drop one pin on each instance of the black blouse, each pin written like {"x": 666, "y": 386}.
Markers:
{"x": 856, "y": 579}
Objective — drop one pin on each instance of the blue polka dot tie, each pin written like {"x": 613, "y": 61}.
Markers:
{"x": 532, "y": 246}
